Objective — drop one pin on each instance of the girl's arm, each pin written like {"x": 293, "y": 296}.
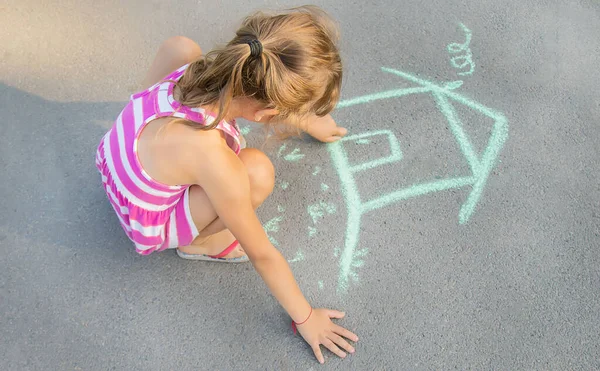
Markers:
{"x": 225, "y": 180}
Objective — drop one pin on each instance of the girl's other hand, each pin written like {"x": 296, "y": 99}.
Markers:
{"x": 325, "y": 129}
{"x": 319, "y": 329}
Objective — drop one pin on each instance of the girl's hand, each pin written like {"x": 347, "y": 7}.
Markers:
{"x": 319, "y": 329}
{"x": 324, "y": 129}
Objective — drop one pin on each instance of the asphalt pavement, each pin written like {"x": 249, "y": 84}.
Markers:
{"x": 458, "y": 224}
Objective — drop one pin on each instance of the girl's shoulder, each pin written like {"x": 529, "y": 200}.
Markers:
{"x": 193, "y": 143}
{"x": 174, "y": 152}
{"x": 170, "y": 78}
{"x": 195, "y": 150}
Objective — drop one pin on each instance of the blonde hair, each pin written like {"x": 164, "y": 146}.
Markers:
{"x": 299, "y": 71}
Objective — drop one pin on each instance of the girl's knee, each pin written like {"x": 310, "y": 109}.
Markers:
{"x": 260, "y": 171}
{"x": 181, "y": 45}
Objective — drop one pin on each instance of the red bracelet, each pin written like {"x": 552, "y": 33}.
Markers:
{"x": 294, "y": 324}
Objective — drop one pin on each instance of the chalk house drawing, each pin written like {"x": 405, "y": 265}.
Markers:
{"x": 480, "y": 164}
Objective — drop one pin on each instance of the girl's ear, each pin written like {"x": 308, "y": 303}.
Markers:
{"x": 264, "y": 113}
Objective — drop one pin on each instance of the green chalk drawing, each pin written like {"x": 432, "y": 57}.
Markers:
{"x": 378, "y": 96}
{"x": 299, "y": 257}
{"x": 294, "y": 156}
{"x": 462, "y": 61}
{"x": 456, "y": 48}
{"x": 317, "y": 211}
{"x": 329, "y": 208}
{"x": 281, "y": 149}
{"x": 467, "y": 60}
{"x": 245, "y": 130}
{"x": 454, "y": 85}
{"x": 272, "y": 226}
{"x": 358, "y": 263}
{"x": 361, "y": 253}
{"x": 280, "y": 208}
{"x": 480, "y": 164}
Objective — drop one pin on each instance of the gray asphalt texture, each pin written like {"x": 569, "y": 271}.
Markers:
{"x": 516, "y": 287}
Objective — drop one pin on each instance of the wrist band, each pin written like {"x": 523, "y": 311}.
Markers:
{"x": 294, "y": 324}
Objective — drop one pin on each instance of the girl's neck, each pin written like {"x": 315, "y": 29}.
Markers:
{"x": 233, "y": 112}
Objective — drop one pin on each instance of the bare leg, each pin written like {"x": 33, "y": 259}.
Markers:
{"x": 172, "y": 54}
{"x": 214, "y": 237}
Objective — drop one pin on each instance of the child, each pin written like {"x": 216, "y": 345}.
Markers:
{"x": 174, "y": 165}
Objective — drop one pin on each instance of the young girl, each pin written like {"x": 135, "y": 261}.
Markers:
{"x": 174, "y": 165}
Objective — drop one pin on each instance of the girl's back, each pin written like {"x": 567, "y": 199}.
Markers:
{"x": 142, "y": 158}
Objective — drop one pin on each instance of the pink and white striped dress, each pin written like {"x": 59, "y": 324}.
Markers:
{"x": 155, "y": 216}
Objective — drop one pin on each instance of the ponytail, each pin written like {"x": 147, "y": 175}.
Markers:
{"x": 286, "y": 61}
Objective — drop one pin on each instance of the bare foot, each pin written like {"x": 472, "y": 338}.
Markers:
{"x": 213, "y": 245}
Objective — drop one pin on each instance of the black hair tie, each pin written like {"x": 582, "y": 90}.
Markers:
{"x": 256, "y": 48}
